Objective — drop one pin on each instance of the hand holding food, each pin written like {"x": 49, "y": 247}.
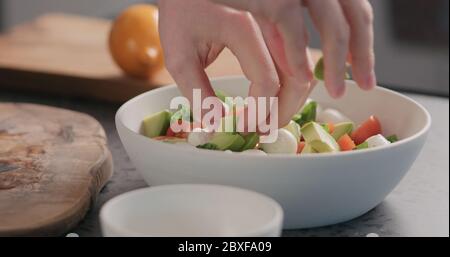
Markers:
{"x": 269, "y": 40}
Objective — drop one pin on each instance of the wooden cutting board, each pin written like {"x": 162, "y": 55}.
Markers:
{"x": 68, "y": 55}
{"x": 53, "y": 163}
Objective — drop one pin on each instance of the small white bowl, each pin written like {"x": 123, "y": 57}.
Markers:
{"x": 313, "y": 189}
{"x": 191, "y": 210}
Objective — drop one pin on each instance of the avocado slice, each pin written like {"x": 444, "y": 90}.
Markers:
{"x": 156, "y": 124}
{"x": 341, "y": 129}
{"x": 321, "y": 147}
{"x": 294, "y": 128}
{"x": 251, "y": 140}
{"x": 319, "y": 72}
{"x": 363, "y": 145}
{"x": 313, "y": 132}
{"x": 228, "y": 141}
{"x": 308, "y": 149}
{"x": 238, "y": 143}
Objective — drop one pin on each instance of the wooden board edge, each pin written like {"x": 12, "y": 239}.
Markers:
{"x": 101, "y": 173}
{"x": 114, "y": 90}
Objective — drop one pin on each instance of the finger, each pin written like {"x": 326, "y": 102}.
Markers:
{"x": 291, "y": 27}
{"x": 188, "y": 73}
{"x": 292, "y": 97}
{"x": 274, "y": 42}
{"x": 359, "y": 16}
{"x": 245, "y": 40}
{"x": 329, "y": 19}
{"x": 293, "y": 93}
{"x": 238, "y": 4}
{"x": 285, "y": 34}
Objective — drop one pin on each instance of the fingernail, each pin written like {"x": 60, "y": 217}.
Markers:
{"x": 337, "y": 90}
{"x": 340, "y": 90}
{"x": 370, "y": 81}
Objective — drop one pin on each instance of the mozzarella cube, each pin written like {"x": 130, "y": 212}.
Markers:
{"x": 377, "y": 140}
{"x": 285, "y": 143}
{"x": 199, "y": 136}
{"x": 332, "y": 116}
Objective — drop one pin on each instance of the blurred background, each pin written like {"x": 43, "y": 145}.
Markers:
{"x": 412, "y": 36}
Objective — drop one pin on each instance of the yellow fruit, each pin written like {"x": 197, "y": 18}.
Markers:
{"x": 134, "y": 41}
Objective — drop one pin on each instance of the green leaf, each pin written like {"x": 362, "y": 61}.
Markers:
{"x": 392, "y": 138}
{"x": 308, "y": 114}
{"x": 208, "y": 146}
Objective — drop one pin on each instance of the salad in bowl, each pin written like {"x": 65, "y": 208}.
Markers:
{"x": 313, "y": 130}
{"x": 316, "y": 173}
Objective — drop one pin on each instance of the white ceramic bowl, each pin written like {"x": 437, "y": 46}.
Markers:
{"x": 314, "y": 190}
{"x": 191, "y": 210}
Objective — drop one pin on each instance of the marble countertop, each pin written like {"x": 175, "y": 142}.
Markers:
{"x": 419, "y": 206}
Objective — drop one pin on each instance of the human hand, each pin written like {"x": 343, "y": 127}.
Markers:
{"x": 194, "y": 32}
{"x": 345, "y": 28}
